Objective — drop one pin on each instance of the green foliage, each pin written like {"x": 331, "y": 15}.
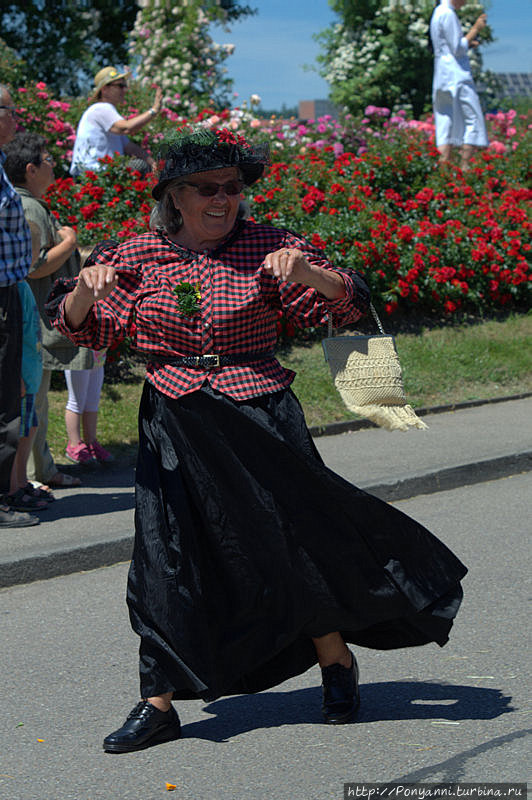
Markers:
{"x": 378, "y": 53}
{"x": 12, "y": 68}
{"x": 521, "y": 104}
{"x": 64, "y": 42}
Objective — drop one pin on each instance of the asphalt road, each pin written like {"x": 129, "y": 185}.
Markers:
{"x": 68, "y": 666}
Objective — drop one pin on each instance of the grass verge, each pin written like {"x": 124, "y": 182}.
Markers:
{"x": 440, "y": 366}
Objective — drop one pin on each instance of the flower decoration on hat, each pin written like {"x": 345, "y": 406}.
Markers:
{"x": 230, "y": 137}
{"x": 190, "y": 150}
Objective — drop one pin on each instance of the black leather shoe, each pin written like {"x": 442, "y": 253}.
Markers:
{"x": 341, "y": 698}
{"x": 145, "y": 726}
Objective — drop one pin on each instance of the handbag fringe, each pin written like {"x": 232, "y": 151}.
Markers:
{"x": 393, "y": 418}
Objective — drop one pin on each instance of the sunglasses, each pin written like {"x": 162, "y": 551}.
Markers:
{"x": 12, "y": 110}
{"x": 119, "y": 85}
{"x": 49, "y": 160}
{"x": 211, "y": 189}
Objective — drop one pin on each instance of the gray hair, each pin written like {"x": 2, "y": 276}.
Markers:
{"x": 166, "y": 216}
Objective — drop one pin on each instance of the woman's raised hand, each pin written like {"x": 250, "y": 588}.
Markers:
{"x": 289, "y": 264}
{"x": 96, "y": 283}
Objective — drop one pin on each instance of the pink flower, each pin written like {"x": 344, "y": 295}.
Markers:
{"x": 497, "y": 147}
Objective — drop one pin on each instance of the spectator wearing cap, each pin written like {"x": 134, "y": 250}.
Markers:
{"x": 102, "y": 131}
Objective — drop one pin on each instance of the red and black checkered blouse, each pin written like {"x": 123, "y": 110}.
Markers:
{"x": 239, "y": 308}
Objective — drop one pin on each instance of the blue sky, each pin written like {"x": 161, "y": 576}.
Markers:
{"x": 273, "y": 46}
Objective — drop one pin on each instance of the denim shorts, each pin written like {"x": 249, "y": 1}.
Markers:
{"x": 28, "y": 417}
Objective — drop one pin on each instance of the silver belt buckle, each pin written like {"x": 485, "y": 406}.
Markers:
{"x": 214, "y": 360}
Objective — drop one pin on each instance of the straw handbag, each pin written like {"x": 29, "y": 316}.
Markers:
{"x": 367, "y": 373}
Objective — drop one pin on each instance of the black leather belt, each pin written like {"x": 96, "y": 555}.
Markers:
{"x": 209, "y": 360}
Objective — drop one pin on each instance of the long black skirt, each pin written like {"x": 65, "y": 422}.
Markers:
{"x": 247, "y": 545}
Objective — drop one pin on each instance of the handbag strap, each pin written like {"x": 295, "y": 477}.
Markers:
{"x": 373, "y": 314}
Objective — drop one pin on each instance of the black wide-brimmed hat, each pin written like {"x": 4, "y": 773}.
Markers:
{"x": 193, "y": 150}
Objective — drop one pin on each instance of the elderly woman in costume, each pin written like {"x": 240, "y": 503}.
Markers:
{"x": 458, "y": 115}
{"x": 252, "y": 560}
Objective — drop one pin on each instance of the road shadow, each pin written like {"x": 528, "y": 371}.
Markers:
{"x": 392, "y": 700}
{"x": 98, "y": 475}
{"x": 88, "y": 504}
{"x": 101, "y": 492}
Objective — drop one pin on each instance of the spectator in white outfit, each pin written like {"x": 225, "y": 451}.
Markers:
{"x": 102, "y": 131}
{"x": 458, "y": 116}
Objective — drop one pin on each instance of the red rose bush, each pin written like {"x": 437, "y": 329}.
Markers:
{"x": 370, "y": 192}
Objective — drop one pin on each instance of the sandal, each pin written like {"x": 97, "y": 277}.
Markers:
{"x": 40, "y": 492}
{"x": 22, "y": 501}
{"x": 62, "y": 480}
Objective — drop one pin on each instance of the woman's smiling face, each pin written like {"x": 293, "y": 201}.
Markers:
{"x": 206, "y": 220}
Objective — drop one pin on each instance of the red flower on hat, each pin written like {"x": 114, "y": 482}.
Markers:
{"x": 229, "y": 137}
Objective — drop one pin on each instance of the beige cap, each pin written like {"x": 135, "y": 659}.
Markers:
{"x": 105, "y": 76}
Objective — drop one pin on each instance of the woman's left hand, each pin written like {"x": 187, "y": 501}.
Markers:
{"x": 289, "y": 264}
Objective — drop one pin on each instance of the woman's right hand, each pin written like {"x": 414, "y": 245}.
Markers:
{"x": 95, "y": 283}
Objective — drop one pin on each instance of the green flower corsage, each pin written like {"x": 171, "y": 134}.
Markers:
{"x": 188, "y": 298}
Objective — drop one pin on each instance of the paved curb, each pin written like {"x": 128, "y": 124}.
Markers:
{"x": 40, "y": 567}
{"x": 453, "y": 477}
{"x": 335, "y": 428}
{"x": 81, "y": 558}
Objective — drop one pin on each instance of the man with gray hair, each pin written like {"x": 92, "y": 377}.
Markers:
{"x": 15, "y": 261}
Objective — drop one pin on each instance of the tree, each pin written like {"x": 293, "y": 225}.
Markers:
{"x": 64, "y": 43}
{"x": 378, "y": 53}
{"x": 12, "y": 68}
{"x": 171, "y": 46}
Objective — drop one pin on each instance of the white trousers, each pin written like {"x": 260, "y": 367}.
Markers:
{"x": 459, "y": 118}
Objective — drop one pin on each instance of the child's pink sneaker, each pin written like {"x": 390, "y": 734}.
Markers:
{"x": 99, "y": 453}
{"x": 79, "y": 453}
